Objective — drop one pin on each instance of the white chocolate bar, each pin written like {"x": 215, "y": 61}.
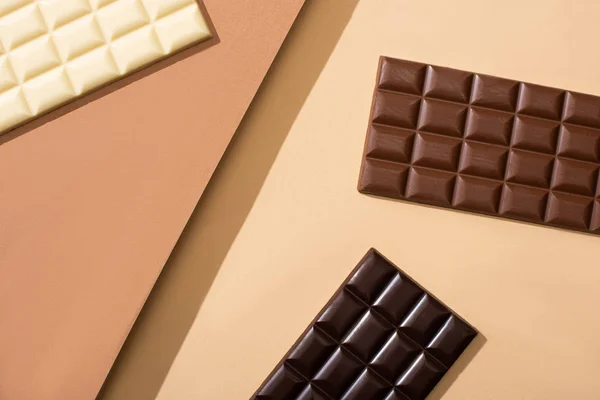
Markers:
{"x": 54, "y": 51}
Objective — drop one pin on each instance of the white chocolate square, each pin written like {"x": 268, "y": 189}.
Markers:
{"x": 60, "y": 12}
{"x": 21, "y": 26}
{"x": 122, "y": 17}
{"x": 34, "y": 58}
{"x": 13, "y": 108}
{"x": 48, "y": 90}
{"x": 53, "y": 51}
{"x": 136, "y": 49}
{"x": 92, "y": 70}
{"x": 77, "y": 38}
{"x": 180, "y": 28}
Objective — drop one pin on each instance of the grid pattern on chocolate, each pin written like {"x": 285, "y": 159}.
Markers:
{"x": 484, "y": 144}
{"x": 55, "y": 51}
{"x": 381, "y": 336}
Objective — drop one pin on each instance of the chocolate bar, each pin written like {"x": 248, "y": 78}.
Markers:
{"x": 52, "y": 53}
{"x": 484, "y": 144}
{"x": 381, "y": 336}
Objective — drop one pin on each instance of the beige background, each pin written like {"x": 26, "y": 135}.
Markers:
{"x": 92, "y": 203}
{"x": 282, "y": 224}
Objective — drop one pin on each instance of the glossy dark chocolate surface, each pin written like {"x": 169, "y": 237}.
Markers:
{"x": 488, "y": 145}
{"x": 381, "y": 336}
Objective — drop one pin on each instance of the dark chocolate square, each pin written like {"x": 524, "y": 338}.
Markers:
{"x": 342, "y": 313}
{"x": 535, "y": 134}
{"x": 396, "y": 109}
{"x": 408, "y": 79}
{"x": 435, "y": 151}
{"x": 442, "y": 117}
{"x": 424, "y": 319}
{"x": 448, "y": 84}
{"x": 389, "y": 143}
{"x": 530, "y": 169}
{"x": 421, "y": 377}
{"x": 338, "y": 374}
{"x": 430, "y": 186}
{"x": 477, "y": 194}
{"x": 399, "y": 296}
{"x": 496, "y": 93}
{"x": 569, "y": 210}
{"x": 483, "y": 160}
{"x": 384, "y": 178}
{"x": 581, "y": 109}
{"x": 489, "y": 126}
{"x": 523, "y": 202}
{"x": 575, "y": 177}
{"x": 395, "y": 356}
{"x": 451, "y": 340}
{"x": 367, "y": 336}
{"x": 541, "y": 101}
{"x": 310, "y": 352}
{"x": 579, "y": 143}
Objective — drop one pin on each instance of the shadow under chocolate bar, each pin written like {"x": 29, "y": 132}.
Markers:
{"x": 484, "y": 144}
{"x": 381, "y": 336}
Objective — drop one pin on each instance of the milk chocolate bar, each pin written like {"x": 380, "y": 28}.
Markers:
{"x": 484, "y": 144}
{"x": 381, "y": 336}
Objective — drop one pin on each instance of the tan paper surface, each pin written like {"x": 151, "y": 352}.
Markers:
{"x": 91, "y": 203}
{"x": 284, "y": 209}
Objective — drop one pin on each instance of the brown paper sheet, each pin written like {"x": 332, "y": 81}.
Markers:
{"x": 92, "y": 202}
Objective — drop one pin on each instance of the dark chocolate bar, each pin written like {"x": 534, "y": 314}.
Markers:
{"x": 381, "y": 336}
{"x": 484, "y": 144}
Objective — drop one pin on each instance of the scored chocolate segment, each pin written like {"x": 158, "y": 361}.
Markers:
{"x": 484, "y": 144}
{"x": 381, "y": 336}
